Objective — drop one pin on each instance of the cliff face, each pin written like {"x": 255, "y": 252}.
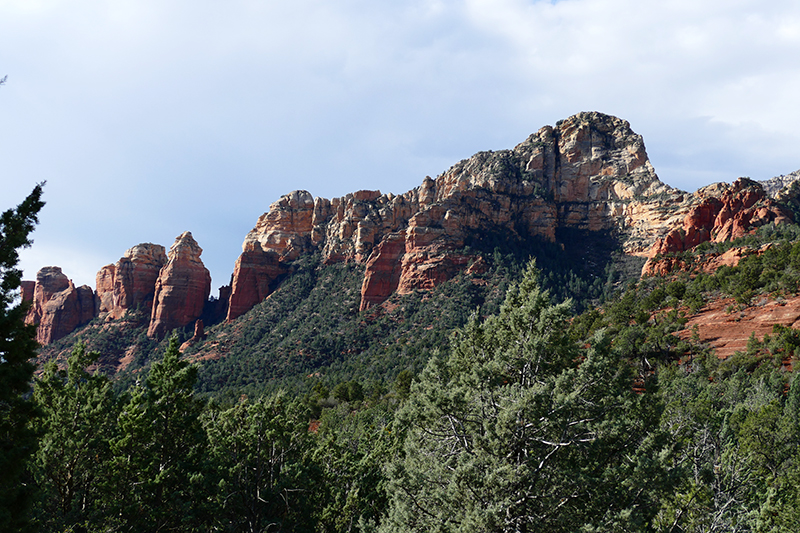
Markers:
{"x": 130, "y": 282}
{"x": 723, "y": 212}
{"x": 590, "y": 172}
{"x": 182, "y": 288}
{"x": 57, "y": 306}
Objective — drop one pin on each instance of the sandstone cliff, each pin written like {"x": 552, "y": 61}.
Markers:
{"x": 131, "y": 282}
{"x": 57, "y": 306}
{"x": 182, "y": 288}
{"x": 723, "y": 212}
{"x": 590, "y": 172}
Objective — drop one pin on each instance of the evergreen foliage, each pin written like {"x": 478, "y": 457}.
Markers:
{"x": 79, "y": 416}
{"x": 258, "y": 451}
{"x": 521, "y": 430}
{"x": 158, "y": 450}
{"x": 513, "y": 414}
{"x": 17, "y": 349}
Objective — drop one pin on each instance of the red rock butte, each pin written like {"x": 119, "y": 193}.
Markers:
{"x": 590, "y": 172}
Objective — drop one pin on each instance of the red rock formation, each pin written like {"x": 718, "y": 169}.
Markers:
{"x": 253, "y": 277}
{"x": 725, "y": 212}
{"x": 589, "y": 172}
{"x": 131, "y": 282}
{"x": 384, "y": 267}
{"x": 58, "y": 307}
{"x": 727, "y": 326}
{"x": 286, "y": 228}
{"x": 182, "y": 288}
{"x": 27, "y": 288}
{"x": 199, "y": 335}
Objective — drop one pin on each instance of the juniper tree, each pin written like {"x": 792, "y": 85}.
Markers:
{"x": 158, "y": 479}
{"x": 521, "y": 429}
{"x": 79, "y": 411}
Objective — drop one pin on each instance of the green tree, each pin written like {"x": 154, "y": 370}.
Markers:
{"x": 258, "y": 449}
{"x": 734, "y": 445}
{"x": 79, "y": 419}
{"x": 17, "y": 348}
{"x": 522, "y": 430}
{"x": 158, "y": 481}
{"x": 351, "y": 452}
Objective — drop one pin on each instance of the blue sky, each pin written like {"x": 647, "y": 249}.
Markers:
{"x": 148, "y": 118}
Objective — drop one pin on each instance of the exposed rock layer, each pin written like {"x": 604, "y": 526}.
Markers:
{"x": 131, "y": 282}
{"x": 182, "y": 288}
{"x": 57, "y": 306}
{"x": 724, "y": 212}
{"x": 727, "y": 326}
{"x": 590, "y": 172}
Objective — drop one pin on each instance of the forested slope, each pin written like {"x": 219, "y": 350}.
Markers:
{"x": 535, "y": 419}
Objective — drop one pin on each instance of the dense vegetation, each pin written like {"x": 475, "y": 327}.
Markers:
{"x": 532, "y": 422}
{"x": 300, "y": 331}
{"x": 17, "y": 348}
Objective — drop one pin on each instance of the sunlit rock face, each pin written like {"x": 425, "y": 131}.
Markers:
{"x": 57, "y": 306}
{"x": 720, "y": 212}
{"x": 131, "y": 281}
{"x": 589, "y": 172}
{"x": 182, "y": 288}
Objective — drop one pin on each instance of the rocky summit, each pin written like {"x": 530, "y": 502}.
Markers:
{"x": 57, "y": 306}
{"x": 131, "y": 281}
{"x": 589, "y": 172}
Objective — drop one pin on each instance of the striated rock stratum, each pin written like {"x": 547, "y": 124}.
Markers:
{"x": 182, "y": 288}
{"x": 589, "y": 173}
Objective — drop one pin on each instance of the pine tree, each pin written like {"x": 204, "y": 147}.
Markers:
{"x": 17, "y": 347}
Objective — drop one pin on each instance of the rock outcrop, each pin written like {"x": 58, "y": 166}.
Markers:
{"x": 590, "y": 172}
{"x": 131, "y": 282}
{"x": 727, "y": 325}
{"x": 198, "y": 336}
{"x": 57, "y": 306}
{"x": 774, "y": 186}
{"x": 182, "y": 288}
{"x": 723, "y": 212}
{"x": 254, "y": 277}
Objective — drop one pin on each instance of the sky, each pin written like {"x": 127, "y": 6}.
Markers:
{"x": 148, "y": 118}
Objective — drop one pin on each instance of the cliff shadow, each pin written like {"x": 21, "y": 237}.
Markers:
{"x": 587, "y": 266}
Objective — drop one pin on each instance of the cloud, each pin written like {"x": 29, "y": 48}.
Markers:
{"x": 149, "y": 118}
